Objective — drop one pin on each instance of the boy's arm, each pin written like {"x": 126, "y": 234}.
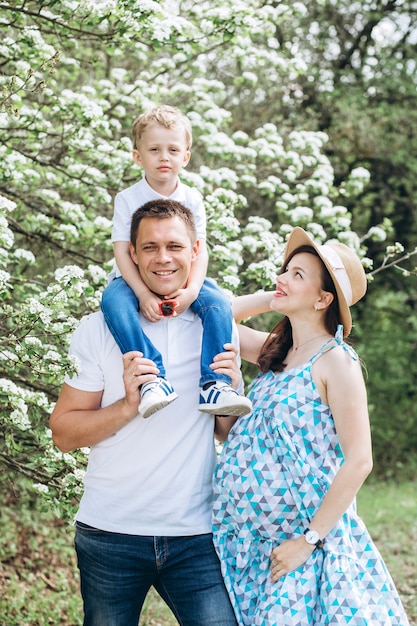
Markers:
{"x": 148, "y": 302}
{"x": 198, "y": 273}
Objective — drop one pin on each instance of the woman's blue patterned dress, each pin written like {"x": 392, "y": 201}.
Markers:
{"x": 272, "y": 474}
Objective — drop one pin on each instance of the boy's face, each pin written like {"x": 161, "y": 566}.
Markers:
{"x": 164, "y": 253}
{"x": 162, "y": 153}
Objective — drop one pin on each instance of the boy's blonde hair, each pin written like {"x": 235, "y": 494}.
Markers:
{"x": 167, "y": 117}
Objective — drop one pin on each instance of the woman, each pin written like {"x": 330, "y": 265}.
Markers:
{"x": 293, "y": 550}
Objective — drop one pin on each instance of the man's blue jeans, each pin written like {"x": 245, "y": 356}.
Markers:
{"x": 120, "y": 309}
{"x": 118, "y": 570}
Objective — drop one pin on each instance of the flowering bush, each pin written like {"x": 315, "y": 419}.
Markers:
{"x": 75, "y": 75}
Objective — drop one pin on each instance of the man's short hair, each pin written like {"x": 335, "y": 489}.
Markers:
{"x": 161, "y": 209}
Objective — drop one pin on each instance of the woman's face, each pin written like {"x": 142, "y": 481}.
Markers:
{"x": 299, "y": 287}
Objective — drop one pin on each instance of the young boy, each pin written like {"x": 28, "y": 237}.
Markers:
{"x": 162, "y": 139}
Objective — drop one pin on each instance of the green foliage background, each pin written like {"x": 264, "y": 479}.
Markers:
{"x": 303, "y": 114}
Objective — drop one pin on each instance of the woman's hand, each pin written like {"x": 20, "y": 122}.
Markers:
{"x": 289, "y": 555}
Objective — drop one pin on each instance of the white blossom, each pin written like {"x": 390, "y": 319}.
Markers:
{"x": 33, "y": 341}
{"x": 20, "y": 418}
{"x": 69, "y": 272}
{"x": 7, "y": 204}
{"x": 231, "y": 281}
{"x": 360, "y": 173}
{"x": 6, "y": 235}
{"x": 102, "y": 222}
{"x": 53, "y": 355}
{"x": 98, "y": 274}
{"x": 70, "y": 229}
{"x": 377, "y": 233}
{"x": 4, "y": 279}
{"x": 25, "y": 255}
{"x": 397, "y": 248}
{"x": 41, "y": 488}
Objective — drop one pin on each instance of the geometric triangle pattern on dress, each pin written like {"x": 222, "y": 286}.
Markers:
{"x": 272, "y": 474}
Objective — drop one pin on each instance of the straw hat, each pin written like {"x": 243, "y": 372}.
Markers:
{"x": 344, "y": 267}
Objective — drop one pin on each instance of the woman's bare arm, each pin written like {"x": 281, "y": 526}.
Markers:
{"x": 251, "y": 304}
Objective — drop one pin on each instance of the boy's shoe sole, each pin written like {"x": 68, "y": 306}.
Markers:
{"x": 155, "y": 396}
{"x": 220, "y": 399}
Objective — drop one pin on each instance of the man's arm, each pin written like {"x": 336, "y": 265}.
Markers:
{"x": 78, "y": 420}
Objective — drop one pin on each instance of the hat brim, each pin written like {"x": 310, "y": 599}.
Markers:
{"x": 298, "y": 238}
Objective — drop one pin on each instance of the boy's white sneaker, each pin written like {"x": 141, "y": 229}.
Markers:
{"x": 155, "y": 395}
{"x": 220, "y": 399}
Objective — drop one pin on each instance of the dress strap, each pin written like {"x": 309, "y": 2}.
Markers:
{"x": 337, "y": 340}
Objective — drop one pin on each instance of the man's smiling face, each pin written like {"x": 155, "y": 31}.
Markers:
{"x": 164, "y": 253}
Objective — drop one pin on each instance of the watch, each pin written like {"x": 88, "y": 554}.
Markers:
{"x": 313, "y": 538}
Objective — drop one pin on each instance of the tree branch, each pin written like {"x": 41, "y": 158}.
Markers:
{"x": 395, "y": 263}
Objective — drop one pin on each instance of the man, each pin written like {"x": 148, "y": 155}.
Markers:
{"x": 145, "y": 516}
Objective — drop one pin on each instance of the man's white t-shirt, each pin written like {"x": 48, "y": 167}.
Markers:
{"x": 154, "y": 476}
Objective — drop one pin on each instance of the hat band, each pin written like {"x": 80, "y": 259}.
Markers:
{"x": 339, "y": 271}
